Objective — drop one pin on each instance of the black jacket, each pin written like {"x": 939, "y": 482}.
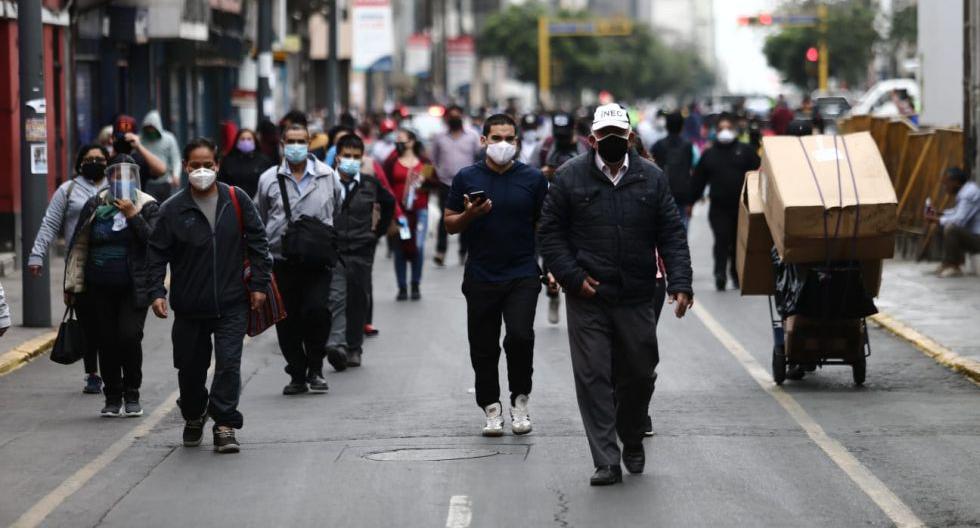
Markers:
{"x": 353, "y": 217}
{"x": 142, "y": 226}
{"x": 243, "y": 170}
{"x": 206, "y": 267}
{"x": 675, "y": 156}
{"x": 723, "y": 167}
{"x": 589, "y": 227}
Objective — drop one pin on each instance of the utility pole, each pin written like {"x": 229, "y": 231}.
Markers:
{"x": 33, "y": 158}
{"x": 263, "y": 93}
{"x": 332, "y": 66}
{"x": 823, "y": 64}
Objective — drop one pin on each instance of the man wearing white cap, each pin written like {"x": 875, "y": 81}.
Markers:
{"x": 605, "y": 214}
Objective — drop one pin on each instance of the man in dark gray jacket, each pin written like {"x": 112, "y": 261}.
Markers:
{"x": 606, "y": 214}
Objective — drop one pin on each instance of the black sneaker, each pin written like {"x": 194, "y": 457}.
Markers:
{"x": 113, "y": 408}
{"x": 648, "y": 427}
{"x": 337, "y": 359}
{"x": 354, "y": 358}
{"x": 295, "y": 387}
{"x": 224, "y": 439}
{"x": 720, "y": 283}
{"x": 416, "y": 294}
{"x": 133, "y": 407}
{"x": 402, "y": 295}
{"x": 93, "y": 384}
{"x": 194, "y": 431}
{"x": 316, "y": 382}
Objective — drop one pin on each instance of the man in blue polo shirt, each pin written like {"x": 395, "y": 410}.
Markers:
{"x": 495, "y": 204}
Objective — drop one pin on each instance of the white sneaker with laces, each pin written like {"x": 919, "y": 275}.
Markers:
{"x": 554, "y": 303}
{"x": 495, "y": 420}
{"x": 520, "y": 420}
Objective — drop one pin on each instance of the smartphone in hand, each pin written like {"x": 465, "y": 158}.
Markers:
{"x": 477, "y": 197}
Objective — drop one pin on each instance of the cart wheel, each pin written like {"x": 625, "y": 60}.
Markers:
{"x": 778, "y": 364}
{"x": 859, "y": 369}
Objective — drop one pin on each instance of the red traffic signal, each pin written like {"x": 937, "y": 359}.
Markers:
{"x": 765, "y": 19}
{"x": 812, "y": 55}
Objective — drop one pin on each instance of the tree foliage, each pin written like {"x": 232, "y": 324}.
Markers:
{"x": 639, "y": 66}
{"x": 850, "y": 40}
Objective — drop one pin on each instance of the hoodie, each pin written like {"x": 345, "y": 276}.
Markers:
{"x": 165, "y": 147}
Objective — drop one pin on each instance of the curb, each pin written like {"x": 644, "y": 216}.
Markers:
{"x": 944, "y": 356}
{"x": 25, "y": 352}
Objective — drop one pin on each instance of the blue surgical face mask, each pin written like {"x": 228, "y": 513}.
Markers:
{"x": 349, "y": 166}
{"x": 296, "y": 153}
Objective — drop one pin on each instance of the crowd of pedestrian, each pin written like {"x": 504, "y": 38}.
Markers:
{"x": 281, "y": 225}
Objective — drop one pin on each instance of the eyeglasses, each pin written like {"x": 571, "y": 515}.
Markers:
{"x": 194, "y": 165}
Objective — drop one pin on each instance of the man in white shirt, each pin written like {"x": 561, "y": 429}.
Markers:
{"x": 960, "y": 223}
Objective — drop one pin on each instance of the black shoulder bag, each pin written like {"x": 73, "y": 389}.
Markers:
{"x": 307, "y": 242}
{"x": 70, "y": 344}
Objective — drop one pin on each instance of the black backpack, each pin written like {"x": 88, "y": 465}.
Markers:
{"x": 679, "y": 158}
{"x": 307, "y": 242}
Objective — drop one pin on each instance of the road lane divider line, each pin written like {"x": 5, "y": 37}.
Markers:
{"x": 460, "y": 512}
{"x": 942, "y": 355}
{"x": 42, "y": 508}
{"x": 36, "y": 515}
{"x": 889, "y": 503}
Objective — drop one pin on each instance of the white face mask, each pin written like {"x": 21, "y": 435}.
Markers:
{"x": 726, "y": 136}
{"x": 501, "y": 152}
{"x": 202, "y": 179}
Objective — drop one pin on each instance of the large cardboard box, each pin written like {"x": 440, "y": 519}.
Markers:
{"x": 816, "y": 187}
{"x": 754, "y": 243}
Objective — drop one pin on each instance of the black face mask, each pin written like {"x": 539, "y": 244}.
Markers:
{"x": 401, "y": 147}
{"x": 613, "y": 148}
{"x": 92, "y": 171}
{"x": 455, "y": 123}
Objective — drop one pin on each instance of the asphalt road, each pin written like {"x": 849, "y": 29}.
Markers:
{"x": 396, "y": 442}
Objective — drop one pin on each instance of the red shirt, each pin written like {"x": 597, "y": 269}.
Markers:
{"x": 400, "y": 177}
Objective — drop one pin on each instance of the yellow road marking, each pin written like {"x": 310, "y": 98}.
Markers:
{"x": 23, "y": 353}
{"x": 942, "y": 355}
{"x": 875, "y": 489}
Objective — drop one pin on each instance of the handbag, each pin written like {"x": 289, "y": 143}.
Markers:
{"x": 70, "y": 344}
{"x": 273, "y": 309}
{"x": 307, "y": 242}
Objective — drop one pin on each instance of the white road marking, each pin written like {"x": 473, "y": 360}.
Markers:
{"x": 460, "y": 514}
{"x": 875, "y": 489}
{"x": 36, "y": 515}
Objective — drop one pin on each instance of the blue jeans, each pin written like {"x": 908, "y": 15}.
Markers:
{"x": 421, "y": 229}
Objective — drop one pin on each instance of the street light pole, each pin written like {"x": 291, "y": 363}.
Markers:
{"x": 263, "y": 92}
{"x": 332, "y": 66}
{"x": 33, "y": 157}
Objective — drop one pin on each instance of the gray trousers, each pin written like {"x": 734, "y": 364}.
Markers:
{"x": 958, "y": 242}
{"x": 350, "y": 290}
{"x": 614, "y": 357}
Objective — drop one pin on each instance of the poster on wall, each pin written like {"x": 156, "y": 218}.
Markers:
{"x": 373, "y": 31}
{"x": 418, "y": 55}
{"x": 460, "y": 62}
{"x": 39, "y": 159}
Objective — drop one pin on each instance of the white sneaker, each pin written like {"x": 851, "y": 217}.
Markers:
{"x": 554, "y": 303}
{"x": 951, "y": 272}
{"x": 520, "y": 421}
{"x": 495, "y": 420}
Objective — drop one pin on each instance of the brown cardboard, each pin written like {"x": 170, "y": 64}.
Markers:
{"x": 810, "y": 340}
{"x": 754, "y": 243}
{"x": 802, "y": 178}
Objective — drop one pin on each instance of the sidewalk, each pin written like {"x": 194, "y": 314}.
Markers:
{"x": 942, "y": 310}
{"x": 29, "y": 342}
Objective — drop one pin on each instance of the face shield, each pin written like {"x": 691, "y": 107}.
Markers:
{"x": 124, "y": 181}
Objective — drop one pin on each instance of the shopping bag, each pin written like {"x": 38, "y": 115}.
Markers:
{"x": 70, "y": 344}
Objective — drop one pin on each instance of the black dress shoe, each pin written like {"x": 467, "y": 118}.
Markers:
{"x": 337, "y": 359}
{"x": 606, "y": 476}
{"x": 353, "y": 358}
{"x": 295, "y": 387}
{"x": 633, "y": 458}
{"x": 316, "y": 382}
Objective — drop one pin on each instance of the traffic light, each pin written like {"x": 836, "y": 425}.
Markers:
{"x": 812, "y": 55}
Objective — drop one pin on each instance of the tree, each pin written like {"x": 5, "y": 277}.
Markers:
{"x": 633, "y": 67}
{"x": 850, "y": 40}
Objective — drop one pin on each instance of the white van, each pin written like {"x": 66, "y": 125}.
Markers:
{"x": 878, "y": 100}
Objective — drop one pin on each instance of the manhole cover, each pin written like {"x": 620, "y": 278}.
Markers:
{"x": 430, "y": 454}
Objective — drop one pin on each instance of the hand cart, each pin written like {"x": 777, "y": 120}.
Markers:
{"x": 817, "y": 343}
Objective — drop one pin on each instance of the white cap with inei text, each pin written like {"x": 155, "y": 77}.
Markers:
{"x": 610, "y": 115}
